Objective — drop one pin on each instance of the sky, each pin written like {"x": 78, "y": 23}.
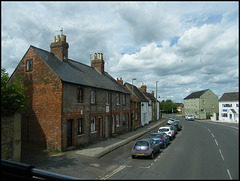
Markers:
{"x": 185, "y": 46}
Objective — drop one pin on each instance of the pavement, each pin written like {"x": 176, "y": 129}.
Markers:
{"x": 34, "y": 155}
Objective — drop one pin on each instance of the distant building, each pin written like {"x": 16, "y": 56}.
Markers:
{"x": 201, "y": 104}
{"x": 229, "y": 107}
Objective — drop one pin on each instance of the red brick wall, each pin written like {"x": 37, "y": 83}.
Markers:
{"x": 42, "y": 119}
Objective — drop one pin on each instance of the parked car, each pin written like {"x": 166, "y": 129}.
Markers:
{"x": 167, "y": 138}
{"x": 174, "y": 128}
{"x": 171, "y": 119}
{"x": 190, "y": 117}
{"x": 159, "y": 138}
{"x": 179, "y": 125}
{"x": 168, "y": 130}
{"x": 145, "y": 147}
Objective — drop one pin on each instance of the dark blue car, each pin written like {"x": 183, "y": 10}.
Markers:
{"x": 161, "y": 139}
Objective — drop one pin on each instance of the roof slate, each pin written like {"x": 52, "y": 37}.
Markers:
{"x": 196, "y": 94}
{"x": 230, "y": 96}
{"x": 78, "y": 73}
{"x": 137, "y": 92}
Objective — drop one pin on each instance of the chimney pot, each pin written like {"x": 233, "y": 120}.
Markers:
{"x": 54, "y": 39}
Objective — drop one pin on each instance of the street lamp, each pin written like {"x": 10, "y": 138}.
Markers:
{"x": 133, "y": 105}
{"x": 156, "y": 99}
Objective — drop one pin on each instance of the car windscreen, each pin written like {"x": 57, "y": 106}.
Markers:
{"x": 142, "y": 143}
{"x": 155, "y": 136}
{"x": 164, "y": 129}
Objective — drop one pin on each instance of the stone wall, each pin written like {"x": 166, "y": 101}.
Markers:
{"x": 11, "y": 137}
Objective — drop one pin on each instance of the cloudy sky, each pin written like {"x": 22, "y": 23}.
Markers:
{"x": 186, "y": 46}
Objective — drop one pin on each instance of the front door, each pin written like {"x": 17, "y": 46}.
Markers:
{"x": 69, "y": 132}
{"x": 100, "y": 126}
{"x": 106, "y": 127}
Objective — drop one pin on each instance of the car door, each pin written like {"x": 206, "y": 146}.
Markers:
{"x": 155, "y": 146}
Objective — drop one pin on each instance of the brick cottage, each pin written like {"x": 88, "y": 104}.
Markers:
{"x": 69, "y": 103}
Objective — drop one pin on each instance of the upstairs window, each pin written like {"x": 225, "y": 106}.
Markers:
{"x": 124, "y": 99}
{"x": 93, "y": 97}
{"x": 107, "y": 98}
{"x": 80, "y": 95}
{"x": 29, "y": 65}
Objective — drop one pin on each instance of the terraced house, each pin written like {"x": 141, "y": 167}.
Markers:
{"x": 69, "y": 103}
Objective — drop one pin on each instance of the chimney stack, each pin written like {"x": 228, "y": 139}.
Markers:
{"x": 144, "y": 88}
{"x": 120, "y": 81}
{"x": 98, "y": 62}
{"x": 153, "y": 93}
{"x": 60, "y": 47}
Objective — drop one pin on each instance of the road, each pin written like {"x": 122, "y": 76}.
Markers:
{"x": 202, "y": 150}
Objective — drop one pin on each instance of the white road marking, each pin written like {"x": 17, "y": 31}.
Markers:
{"x": 113, "y": 172}
{"x": 216, "y": 142}
{"x": 221, "y": 154}
{"x": 229, "y": 174}
{"x": 212, "y": 135}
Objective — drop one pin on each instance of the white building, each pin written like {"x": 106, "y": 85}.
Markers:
{"x": 229, "y": 107}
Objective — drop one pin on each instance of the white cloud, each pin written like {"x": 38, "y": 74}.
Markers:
{"x": 185, "y": 46}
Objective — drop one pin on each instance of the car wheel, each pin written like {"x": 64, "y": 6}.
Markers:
{"x": 152, "y": 156}
{"x": 133, "y": 157}
{"x": 165, "y": 145}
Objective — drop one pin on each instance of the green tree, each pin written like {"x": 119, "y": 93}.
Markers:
{"x": 13, "y": 96}
{"x": 167, "y": 106}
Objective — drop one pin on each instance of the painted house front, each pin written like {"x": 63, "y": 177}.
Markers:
{"x": 201, "y": 104}
{"x": 229, "y": 107}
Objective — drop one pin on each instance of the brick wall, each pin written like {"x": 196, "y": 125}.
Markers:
{"x": 41, "y": 121}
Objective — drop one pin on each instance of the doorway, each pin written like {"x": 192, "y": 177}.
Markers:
{"x": 69, "y": 132}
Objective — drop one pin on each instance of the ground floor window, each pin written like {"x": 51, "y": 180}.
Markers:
{"x": 80, "y": 126}
{"x": 93, "y": 122}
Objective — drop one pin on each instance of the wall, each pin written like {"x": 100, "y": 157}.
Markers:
{"x": 11, "y": 137}
{"x": 41, "y": 121}
{"x": 222, "y": 110}
{"x": 209, "y": 104}
{"x": 100, "y": 111}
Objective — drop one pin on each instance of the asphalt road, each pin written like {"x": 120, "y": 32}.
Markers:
{"x": 202, "y": 150}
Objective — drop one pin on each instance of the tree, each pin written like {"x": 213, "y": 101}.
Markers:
{"x": 168, "y": 106}
{"x": 13, "y": 96}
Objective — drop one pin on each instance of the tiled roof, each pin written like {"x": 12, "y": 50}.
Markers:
{"x": 230, "y": 96}
{"x": 196, "y": 94}
{"x": 137, "y": 92}
{"x": 78, "y": 73}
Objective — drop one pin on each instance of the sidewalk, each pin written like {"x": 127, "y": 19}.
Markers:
{"x": 102, "y": 148}
{"x": 35, "y": 156}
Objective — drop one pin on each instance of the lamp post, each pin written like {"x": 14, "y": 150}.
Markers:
{"x": 156, "y": 99}
{"x": 133, "y": 106}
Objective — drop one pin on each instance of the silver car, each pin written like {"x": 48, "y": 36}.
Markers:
{"x": 190, "y": 117}
{"x": 145, "y": 147}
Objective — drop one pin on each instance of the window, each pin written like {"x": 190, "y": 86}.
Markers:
{"x": 118, "y": 99}
{"x": 124, "y": 99}
{"x": 80, "y": 95}
{"x": 117, "y": 119}
{"x": 227, "y": 105}
{"x": 80, "y": 126}
{"x": 136, "y": 116}
{"x": 113, "y": 124}
{"x": 107, "y": 98}
{"x": 29, "y": 65}
{"x": 224, "y": 115}
{"x": 93, "y": 97}
{"x": 93, "y": 120}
